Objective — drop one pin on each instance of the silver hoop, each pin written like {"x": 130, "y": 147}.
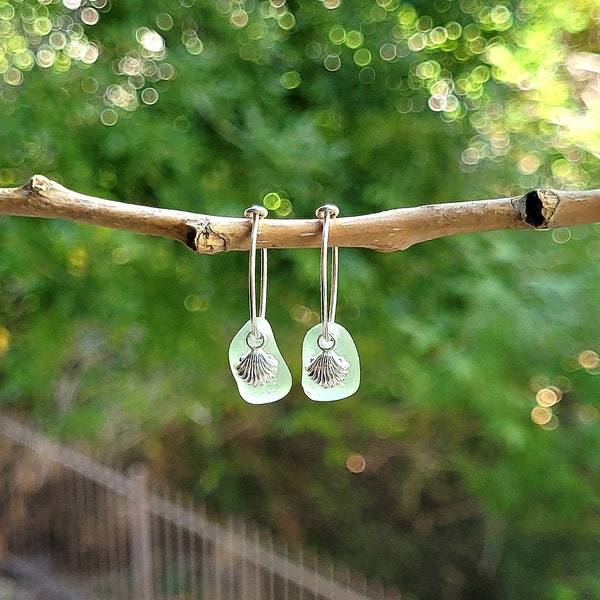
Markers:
{"x": 255, "y": 342}
{"x": 256, "y": 213}
{"x": 328, "y": 305}
{"x": 325, "y": 344}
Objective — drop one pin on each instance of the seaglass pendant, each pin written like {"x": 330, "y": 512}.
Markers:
{"x": 330, "y": 367}
{"x": 257, "y": 364}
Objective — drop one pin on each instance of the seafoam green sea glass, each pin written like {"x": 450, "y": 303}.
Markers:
{"x": 257, "y": 364}
{"x": 330, "y": 370}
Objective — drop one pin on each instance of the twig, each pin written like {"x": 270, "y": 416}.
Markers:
{"x": 385, "y": 231}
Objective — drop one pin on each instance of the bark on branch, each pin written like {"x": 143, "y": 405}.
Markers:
{"x": 385, "y": 231}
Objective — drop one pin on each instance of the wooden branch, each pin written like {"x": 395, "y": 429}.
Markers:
{"x": 385, "y": 231}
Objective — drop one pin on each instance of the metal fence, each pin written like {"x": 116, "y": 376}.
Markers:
{"x": 86, "y": 531}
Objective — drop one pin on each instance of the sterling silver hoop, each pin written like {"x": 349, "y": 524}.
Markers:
{"x": 331, "y": 366}
{"x": 328, "y": 305}
{"x": 256, "y": 213}
{"x": 255, "y": 360}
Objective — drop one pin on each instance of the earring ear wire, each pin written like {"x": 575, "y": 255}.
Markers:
{"x": 328, "y": 306}
{"x": 330, "y": 362}
{"x": 255, "y": 360}
{"x": 255, "y": 214}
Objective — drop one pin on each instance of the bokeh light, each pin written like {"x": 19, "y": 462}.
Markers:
{"x": 304, "y": 315}
{"x": 290, "y": 80}
{"x": 587, "y": 414}
{"x": 541, "y": 415}
{"x": 496, "y": 44}
{"x": 561, "y": 235}
{"x": 109, "y": 117}
{"x": 356, "y": 463}
{"x": 164, "y": 21}
{"x": 90, "y": 16}
{"x": 332, "y": 62}
{"x": 548, "y": 396}
{"x": 551, "y": 425}
{"x": 195, "y": 303}
{"x": 4, "y": 341}
{"x": 589, "y": 360}
{"x": 272, "y": 201}
{"x": 149, "y": 96}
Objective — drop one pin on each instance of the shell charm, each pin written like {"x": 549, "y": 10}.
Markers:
{"x": 257, "y": 367}
{"x": 330, "y": 363}
{"x": 328, "y": 369}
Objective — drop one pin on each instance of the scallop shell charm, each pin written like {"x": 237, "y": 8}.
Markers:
{"x": 257, "y": 367}
{"x": 328, "y": 369}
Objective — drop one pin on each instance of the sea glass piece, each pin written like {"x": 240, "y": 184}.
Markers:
{"x": 330, "y": 369}
{"x": 257, "y": 364}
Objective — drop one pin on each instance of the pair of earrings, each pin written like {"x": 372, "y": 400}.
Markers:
{"x": 330, "y": 363}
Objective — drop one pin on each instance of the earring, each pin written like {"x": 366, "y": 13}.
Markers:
{"x": 255, "y": 360}
{"x": 330, "y": 363}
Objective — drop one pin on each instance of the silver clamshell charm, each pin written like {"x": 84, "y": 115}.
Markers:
{"x": 328, "y": 369}
{"x": 257, "y": 367}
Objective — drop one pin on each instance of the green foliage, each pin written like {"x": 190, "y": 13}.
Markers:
{"x": 437, "y": 476}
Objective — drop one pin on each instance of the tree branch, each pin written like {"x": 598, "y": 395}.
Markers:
{"x": 385, "y": 231}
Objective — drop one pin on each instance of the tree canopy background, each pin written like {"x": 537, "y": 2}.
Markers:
{"x": 468, "y": 464}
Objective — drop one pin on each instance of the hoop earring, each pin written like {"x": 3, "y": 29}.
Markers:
{"x": 330, "y": 363}
{"x": 255, "y": 360}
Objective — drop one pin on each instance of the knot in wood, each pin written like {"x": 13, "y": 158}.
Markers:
{"x": 537, "y": 207}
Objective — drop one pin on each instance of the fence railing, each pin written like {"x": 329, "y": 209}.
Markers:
{"x": 102, "y": 535}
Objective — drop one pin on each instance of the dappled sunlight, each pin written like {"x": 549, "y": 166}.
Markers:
{"x": 488, "y": 59}
{"x": 453, "y": 64}
{"x": 33, "y": 34}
